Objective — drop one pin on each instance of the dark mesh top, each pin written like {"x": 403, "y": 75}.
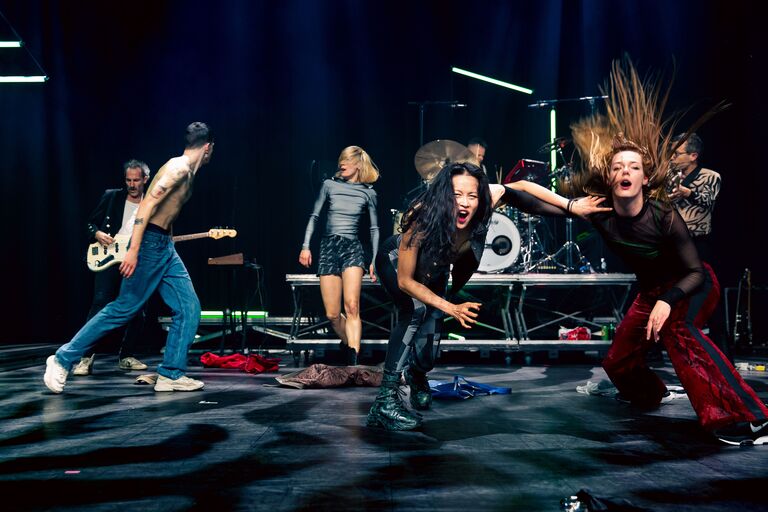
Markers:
{"x": 657, "y": 247}
{"x": 655, "y": 244}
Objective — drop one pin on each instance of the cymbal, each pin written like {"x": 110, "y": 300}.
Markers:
{"x": 433, "y": 156}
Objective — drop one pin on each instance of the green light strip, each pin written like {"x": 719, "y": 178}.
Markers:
{"x": 10, "y": 44}
{"x": 492, "y": 80}
{"x": 22, "y": 79}
{"x": 553, "y": 153}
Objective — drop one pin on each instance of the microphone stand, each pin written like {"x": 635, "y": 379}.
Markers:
{"x": 422, "y": 106}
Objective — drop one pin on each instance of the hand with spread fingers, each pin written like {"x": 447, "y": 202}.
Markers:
{"x": 465, "y": 313}
{"x": 585, "y": 206}
{"x": 656, "y": 320}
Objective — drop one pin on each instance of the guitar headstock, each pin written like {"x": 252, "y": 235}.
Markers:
{"x": 221, "y": 233}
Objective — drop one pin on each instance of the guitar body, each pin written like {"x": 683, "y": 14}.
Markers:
{"x": 99, "y": 257}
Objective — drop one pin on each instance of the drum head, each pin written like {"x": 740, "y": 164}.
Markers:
{"x": 502, "y": 245}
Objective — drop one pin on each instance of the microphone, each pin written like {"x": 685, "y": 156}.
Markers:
{"x": 459, "y": 105}
{"x": 540, "y": 104}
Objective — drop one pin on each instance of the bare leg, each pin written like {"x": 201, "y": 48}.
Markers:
{"x": 352, "y": 279}
{"x": 330, "y": 290}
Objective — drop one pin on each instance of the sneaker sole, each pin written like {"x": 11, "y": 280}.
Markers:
{"x": 47, "y": 379}
{"x": 745, "y": 442}
{"x": 51, "y": 388}
{"x": 166, "y": 388}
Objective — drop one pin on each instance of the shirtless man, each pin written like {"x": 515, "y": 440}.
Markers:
{"x": 160, "y": 268}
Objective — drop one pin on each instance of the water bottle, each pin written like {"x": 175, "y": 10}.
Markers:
{"x": 603, "y": 266}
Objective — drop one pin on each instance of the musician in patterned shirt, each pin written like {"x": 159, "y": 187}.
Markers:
{"x": 695, "y": 196}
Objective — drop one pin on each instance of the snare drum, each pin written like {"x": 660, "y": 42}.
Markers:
{"x": 502, "y": 245}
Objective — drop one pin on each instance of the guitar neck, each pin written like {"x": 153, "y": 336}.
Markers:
{"x": 193, "y": 236}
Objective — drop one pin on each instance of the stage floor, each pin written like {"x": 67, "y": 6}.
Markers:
{"x": 107, "y": 444}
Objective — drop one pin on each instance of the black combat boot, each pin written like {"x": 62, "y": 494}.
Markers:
{"x": 421, "y": 395}
{"x": 388, "y": 410}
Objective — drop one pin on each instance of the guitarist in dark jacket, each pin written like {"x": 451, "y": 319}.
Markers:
{"x": 114, "y": 215}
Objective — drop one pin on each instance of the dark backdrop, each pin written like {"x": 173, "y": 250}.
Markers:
{"x": 286, "y": 83}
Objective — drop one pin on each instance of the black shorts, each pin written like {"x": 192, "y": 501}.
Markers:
{"x": 338, "y": 253}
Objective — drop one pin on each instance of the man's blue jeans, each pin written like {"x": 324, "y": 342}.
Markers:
{"x": 159, "y": 268}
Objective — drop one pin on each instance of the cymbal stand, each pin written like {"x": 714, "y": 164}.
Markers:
{"x": 531, "y": 246}
{"x": 570, "y": 249}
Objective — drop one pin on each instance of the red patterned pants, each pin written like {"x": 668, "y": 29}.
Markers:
{"x": 716, "y": 390}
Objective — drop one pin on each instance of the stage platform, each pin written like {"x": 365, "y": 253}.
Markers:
{"x": 514, "y": 308}
{"x": 244, "y": 444}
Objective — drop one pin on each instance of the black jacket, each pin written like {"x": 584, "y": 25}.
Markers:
{"x": 108, "y": 215}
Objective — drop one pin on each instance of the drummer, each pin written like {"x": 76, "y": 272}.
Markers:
{"x": 478, "y": 148}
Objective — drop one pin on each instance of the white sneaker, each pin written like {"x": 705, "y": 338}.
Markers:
{"x": 55, "y": 375}
{"x": 183, "y": 383}
{"x": 84, "y": 367}
{"x": 131, "y": 363}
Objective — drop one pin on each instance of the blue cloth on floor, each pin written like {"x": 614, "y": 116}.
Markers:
{"x": 461, "y": 388}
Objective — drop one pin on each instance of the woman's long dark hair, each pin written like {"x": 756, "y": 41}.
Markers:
{"x": 432, "y": 215}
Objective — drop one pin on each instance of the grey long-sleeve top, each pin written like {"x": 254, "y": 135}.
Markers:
{"x": 346, "y": 202}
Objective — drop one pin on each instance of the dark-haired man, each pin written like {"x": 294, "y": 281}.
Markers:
{"x": 115, "y": 215}
{"x": 159, "y": 268}
{"x": 478, "y": 147}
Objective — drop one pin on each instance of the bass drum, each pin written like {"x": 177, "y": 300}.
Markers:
{"x": 502, "y": 245}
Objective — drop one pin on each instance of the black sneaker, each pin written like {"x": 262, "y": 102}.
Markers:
{"x": 754, "y": 433}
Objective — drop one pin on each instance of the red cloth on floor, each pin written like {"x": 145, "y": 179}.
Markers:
{"x": 252, "y": 363}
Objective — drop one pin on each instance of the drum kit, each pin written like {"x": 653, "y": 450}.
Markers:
{"x": 513, "y": 244}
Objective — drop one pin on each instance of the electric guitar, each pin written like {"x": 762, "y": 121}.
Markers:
{"x": 99, "y": 257}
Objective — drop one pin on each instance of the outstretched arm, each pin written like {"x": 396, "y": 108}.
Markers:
{"x": 535, "y": 199}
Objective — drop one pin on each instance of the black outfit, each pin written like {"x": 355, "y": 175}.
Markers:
{"x": 107, "y": 217}
{"x": 415, "y": 339}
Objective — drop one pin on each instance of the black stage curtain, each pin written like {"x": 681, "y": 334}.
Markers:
{"x": 286, "y": 85}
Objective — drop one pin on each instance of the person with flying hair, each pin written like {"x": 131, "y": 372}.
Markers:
{"x": 626, "y": 159}
{"x": 342, "y": 262}
{"x": 443, "y": 231}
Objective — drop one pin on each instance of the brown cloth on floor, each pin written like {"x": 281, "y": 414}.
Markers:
{"x": 324, "y": 376}
{"x": 149, "y": 378}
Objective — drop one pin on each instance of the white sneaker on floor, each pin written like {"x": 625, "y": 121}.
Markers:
{"x": 84, "y": 367}
{"x": 55, "y": 375}
{"x": 754, "y": 433}
{"x": 183, "y": 383}
{"x": 131, "y": 363}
